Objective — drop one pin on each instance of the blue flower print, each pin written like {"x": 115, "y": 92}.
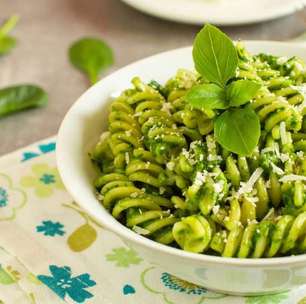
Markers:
{"x": 62, "y": 283}
{"x": 3, "y": 197}
{"x": 50, "y": 228}
{"x": 46, "y": 148}
{"x": 47, "y": 179}
{"x": 43, "y": 149}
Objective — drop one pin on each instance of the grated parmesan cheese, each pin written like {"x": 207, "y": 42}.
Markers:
{"x": 127, "y": 157}
{"x": 100, "y": 197}
{"x": 284, "y": 157}
{"x": 215, "y": 209}
{"x": 200, "y": 178}
{"x": 281, "y": 60}
{"x": 251, "y": 221}
{"x": 140, "y": 230}
{"x": 170, "y": 166}
{"x": 211, "y": 143}
{"x": 267, "y": 150}
{"x": 282, "y": 131}
{"x": 214, "y": 157}
{"x": 276, "y": 169}
{"x": 248, "y": 186}
{"x": 253, "y": 199}
{"x": 134, "y": 195}
{"x": 104, "y": 135}
{"x": 162, "y": 190}
{"x": 276, "y": 149}
{"x": 137, "y": 114}
{"x": 299, "y": 67}
{"x": 269, "y": 214}
{"x": 166, "y": 107}
{"x": 292, "y": 177}
{"x": 218, "y": 186}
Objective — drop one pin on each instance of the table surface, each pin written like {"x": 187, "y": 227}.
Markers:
{"x": 48, "y": 27}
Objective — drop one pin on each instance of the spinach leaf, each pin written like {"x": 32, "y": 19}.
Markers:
{"x": 242, "y": 91}
{"x": 21, "y": 97}
{"x": 214, "y": 55}
{"x": 238, "y": 130}
{"x": 206, "y": 96}
{"x": 91, "y": 56}
{"x": 7, "y": 43}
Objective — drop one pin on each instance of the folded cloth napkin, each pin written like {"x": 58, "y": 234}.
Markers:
{"x": 51, "y": 251}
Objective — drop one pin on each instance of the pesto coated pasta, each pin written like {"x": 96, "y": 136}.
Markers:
{"x": 163, "y": 173}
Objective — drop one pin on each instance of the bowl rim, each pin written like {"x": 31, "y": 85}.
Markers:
{"x": 172, "y": 13}
{"x": 111, "y": 224}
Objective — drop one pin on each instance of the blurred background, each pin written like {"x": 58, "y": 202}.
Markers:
{"x": 48, "y": 27}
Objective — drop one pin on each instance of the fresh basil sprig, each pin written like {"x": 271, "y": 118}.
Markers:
{"x": 214, "y": 55}
{"x": 7, "y": 42}
{"x": 91, "y": 56}
{"x": 241, "y": 92}
{"x": 237, "y": 129}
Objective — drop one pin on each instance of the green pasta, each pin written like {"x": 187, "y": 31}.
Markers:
{"x": 163, "y": 173}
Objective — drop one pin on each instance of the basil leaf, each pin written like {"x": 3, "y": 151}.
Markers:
{"x": 241, "y": 91}
{"x": 91, "y": 56}
{"x": 214, "y": 55}
{"x": 8, "y": 26}
{"x": 206, "y": 96}
{"x": 238, "y": 130}
{"x": 21, "y": 97}
{"x": 7, "y": 44}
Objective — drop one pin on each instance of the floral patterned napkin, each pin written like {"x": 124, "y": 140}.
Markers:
{"x": 53, "y": 252}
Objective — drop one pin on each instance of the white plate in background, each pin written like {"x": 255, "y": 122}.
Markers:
{"x": 220, "y": 12}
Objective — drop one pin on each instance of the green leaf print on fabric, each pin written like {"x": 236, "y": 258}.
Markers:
{"x": 302, "y": 301}
{"x": 82, "y": 238}
{"x": 85, "y": 235}
{"x": 11, "y": 198}
{"x": 45, "y": 180}
{"x": 268, "y": 299}
{"x": 123, "y": 257}
{"x": 8, "y": 275}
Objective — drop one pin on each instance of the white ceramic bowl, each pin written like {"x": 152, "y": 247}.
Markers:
{"x": 81, "y": 129}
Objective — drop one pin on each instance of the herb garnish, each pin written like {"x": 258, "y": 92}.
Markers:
{"x": 91, "y": 56}
{"x": 7, "y": 42}
{"x": 237, "y": 129}
{"x": 21, "y": 97}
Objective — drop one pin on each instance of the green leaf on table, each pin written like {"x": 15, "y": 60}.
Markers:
{"x": 21, "y": 97}
{"x": 214, "y": 55}
{"x": 91, "y": 56}
{"x": 242, "y": 91}
{"x": 238, "y": 130}
{"x": 7, "y": 43}
{"x": 206, "y": 96}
